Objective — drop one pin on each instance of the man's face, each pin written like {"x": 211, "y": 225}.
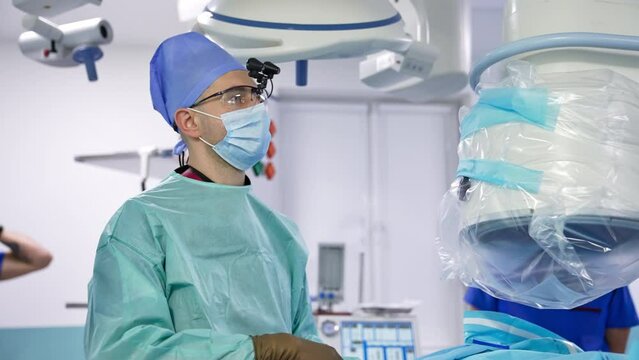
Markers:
{"x": 213, "y": 129}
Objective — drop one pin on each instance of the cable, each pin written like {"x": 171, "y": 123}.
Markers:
{"x": 558, "y": 40}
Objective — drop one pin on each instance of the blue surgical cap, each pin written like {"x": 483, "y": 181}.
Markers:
{"x": 182, "y": 68}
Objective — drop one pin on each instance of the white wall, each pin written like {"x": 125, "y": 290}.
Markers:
{"x": 486, "y": 27}
{"x": 324, "y": 180}
{"x": 418, "y": 140}
{"x": 49, "y": 116}
{"x": 370, "y": 175}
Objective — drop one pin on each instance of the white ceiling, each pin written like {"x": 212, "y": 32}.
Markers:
{"x": 134, "y": 22}
{"x": 490, "y": 4}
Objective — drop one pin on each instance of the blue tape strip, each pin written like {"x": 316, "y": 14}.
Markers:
{"x": 305, "y": 27}
{"x": 485, "y": 343}
{"x": 501, "y": 173}
{"x": 506, "y": 105}
{"x": 490, "y": 335}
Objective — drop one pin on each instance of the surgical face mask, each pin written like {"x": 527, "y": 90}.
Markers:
{"x": 247, "y": 136}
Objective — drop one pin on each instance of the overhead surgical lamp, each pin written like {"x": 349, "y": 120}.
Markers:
{"x": 50, "y": 8}
{"x": 295, "y": 30}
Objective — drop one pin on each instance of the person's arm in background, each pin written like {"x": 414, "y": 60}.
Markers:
{"x": 621, "y": 317}
{"x": 25, "y": 256}
{"x": 617, "y": 339}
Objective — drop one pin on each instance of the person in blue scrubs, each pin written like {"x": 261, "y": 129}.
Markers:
{"x": 603, "y": 324}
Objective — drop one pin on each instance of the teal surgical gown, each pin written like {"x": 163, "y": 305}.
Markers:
{"x": 191, "y": 269}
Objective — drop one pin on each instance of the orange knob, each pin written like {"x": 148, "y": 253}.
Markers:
{"x": 271, "y": 150}
{"x": 269, "y": 171}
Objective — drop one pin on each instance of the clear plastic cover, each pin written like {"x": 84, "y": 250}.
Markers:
{"x": 545, "y": 207}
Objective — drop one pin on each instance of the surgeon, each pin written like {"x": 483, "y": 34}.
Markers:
{"x": 198, "y": 267}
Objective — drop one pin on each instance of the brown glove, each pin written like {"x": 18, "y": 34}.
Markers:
{"x": 289, "y": 347}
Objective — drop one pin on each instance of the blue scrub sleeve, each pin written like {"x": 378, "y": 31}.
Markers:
{"x": 129, "y": 317}
{"x": 621, "y": 312}
{"x": 480, "y": 300}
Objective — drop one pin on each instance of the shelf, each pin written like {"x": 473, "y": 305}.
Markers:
{"x": 161, "y": 161}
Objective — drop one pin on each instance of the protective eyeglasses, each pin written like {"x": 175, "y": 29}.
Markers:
{"x": 237, "y": 96}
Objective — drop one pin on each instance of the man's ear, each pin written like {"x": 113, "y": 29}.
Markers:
{"x": 186, "y": 123}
